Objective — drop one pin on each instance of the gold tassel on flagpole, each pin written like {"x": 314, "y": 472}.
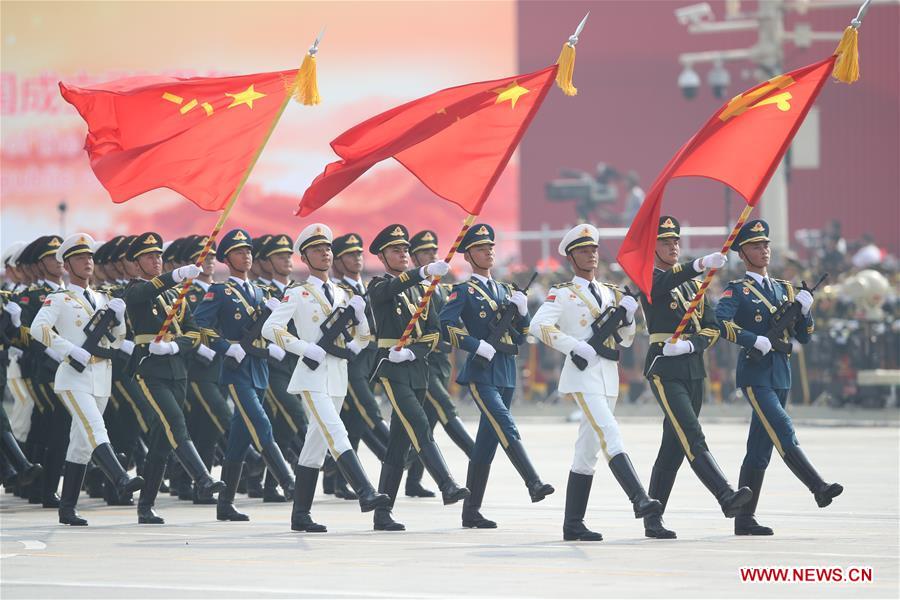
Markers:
{"x": 846, "y": 67}
{"x": 307, "y": 92}
{"x": 566, "y": 62}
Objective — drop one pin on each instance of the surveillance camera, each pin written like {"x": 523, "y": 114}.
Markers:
{"x": 718, "y": 79}
{"x": 689, "y": 82}
{"x": 693, "y": 14}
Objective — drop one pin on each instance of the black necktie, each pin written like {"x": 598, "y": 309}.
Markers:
{"x": 359, "y": 289}
{"x": 596, "y": 295}
{"x": 87, "y": 295}
{"x": 249, "y": 290}
{"x": 326, "y": 289}
{"x": 492, "y": 288}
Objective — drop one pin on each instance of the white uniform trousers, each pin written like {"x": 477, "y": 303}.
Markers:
{"x": 326, "y": 431}
{"x": 598, "y": 432}
{"x": 23, "y": 405}
{"x": 88, "y": 430}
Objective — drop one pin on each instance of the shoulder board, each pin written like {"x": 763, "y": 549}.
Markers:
{"x": 564, "y": 284}
{"x": 347, "y": 288}
{"x": 736, "y": 281}
{"x": 612, "y": 286}
{"x": 62, "y": 291}
{"x": 783, "y": 282}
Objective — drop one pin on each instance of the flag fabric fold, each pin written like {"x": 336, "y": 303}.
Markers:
{"x": 741, "y": 146}
{"x": 456, "y": 141}
{"x": 196, "y": 136}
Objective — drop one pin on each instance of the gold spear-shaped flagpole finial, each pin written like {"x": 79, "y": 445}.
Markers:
{"x": 566, "y": 61}
{"x": 846, "y": 67}
{"x": 307, "y": 90}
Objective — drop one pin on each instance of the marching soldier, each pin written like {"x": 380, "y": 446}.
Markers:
{"x": 403, "y": 373}
{"x": 83, "y": 380}
{"x": 230, "y": 309}
{"x": 161, "y": 367}
{"x": 564, "y": 322}
{"x": 476, "y": 304}
{"x": 745, "y": 314}
{"x": 676, "y": 375}
{"x": 323, "y": 388}
{"x": 439, "y": 406}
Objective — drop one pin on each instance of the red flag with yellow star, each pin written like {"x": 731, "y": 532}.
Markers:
{"x": 456, "y": 141}
{"x": 741, "y": 145}
{"x": 196, "y": 136}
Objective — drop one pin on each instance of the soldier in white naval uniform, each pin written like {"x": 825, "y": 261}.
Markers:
{"x": 59, "y": 325}
{"x": 322, "y": 389}
{"x": 564, "y": 322}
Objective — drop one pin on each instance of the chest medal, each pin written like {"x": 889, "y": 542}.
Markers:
{"x": 758, "y": 318}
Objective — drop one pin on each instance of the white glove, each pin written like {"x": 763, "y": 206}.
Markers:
{"x": 763, "y": 344}
{"x": 206, "y": 352}
{"x": 80, "y": 354}
{"x": 806, "y": 301}
{"x": 276, "y": 352}
{"x": 401, "y": 355}
{"x": 53, "y": 354}
{"x": 14, "y": 352}
{"x": 315, "y": 352}
{"x": 163, "y": 348}
{"x": 436, "y": 269}
{"x": 117, "y": 305}
{"x": 716, "y": 260}
{"x": 236, "y": 352}
{"x": 15, "y": 313}
{"x": 678, "y": 348}
{"x": 358, "y": 304}
{"x": 186, "y": 272}
{"x": 355, "y": 346}
{"x": 630, "y": 305}
{"x": 127, "y": 347}
{"x": 485, "y": 350}
{"x": 521, "y": 301}
{"x": 584, "y": 350}
{"x": 272, "y": 304}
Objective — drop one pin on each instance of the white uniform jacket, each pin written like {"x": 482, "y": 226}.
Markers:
{"x": 565, "y": 318}
{"x": 307, "y": 306}
{"x": 59, "y": 324}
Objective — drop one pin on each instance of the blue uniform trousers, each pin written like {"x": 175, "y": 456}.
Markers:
{"x": 249, "y": 424}
{"x": 770, "y": 426}
{"x": 496, "y": 423}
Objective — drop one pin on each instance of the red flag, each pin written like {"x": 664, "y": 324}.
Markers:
{"x": 741, "y": 146}
{"x": 456, "y": 141}
{"x": 195, "y": 136}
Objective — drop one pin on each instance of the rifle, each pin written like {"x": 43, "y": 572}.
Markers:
{"x": 500, "y": 327}
{"x": 605, "y": 325}
{"x": 96, "y": 329}
{"x": 251, "y": 334}
{"x": 783, "y": 318}
{"x": 335, "y": 326}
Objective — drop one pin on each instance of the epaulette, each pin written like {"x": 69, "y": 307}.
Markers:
{"x": 783, "y": 282}
{"x": 612, "y": 286}
{"x": 736, "y": 281}
{"x": 563, "y": 285}
{"x": 346, "y": 287}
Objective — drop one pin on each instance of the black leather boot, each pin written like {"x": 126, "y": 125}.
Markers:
{"x": 154, "y": 470}
{"x": 225, "y": 510}
{"x": 352, "y": 470}
{"x": 476, "y": 480}
{"x": 341, "y": 489}
{"x": 578, "y": 490}
{"x": 456, "y": 431}
{"x": 373, "y": 440}
{"x": 187, "y": 455}
{"x": 55, "y": 458}
{"x": 27, "y": 471}
{"x": 661, "y": 483}
{"x": 433, "y": 460}
{"x": 388, "y": 484}
{"x": 624, "y": 472}
{"x": 279, "y": 468}
{"x": 413, "y": 487}
{"x": 93, "y": 482}
{"x": 800, "y": 466}
{"x": 72, "y": 480}
{"x": 254, "y": 465}
{"x": 270, "y": 489}
{"x": 537, "y": 489}
{"x": 709, "y": 473}
{"x": 106, "y": 459}
{"x": 304, "y": 491}
{"x": 328, "y": 469}
{"x": 745, "y": 521}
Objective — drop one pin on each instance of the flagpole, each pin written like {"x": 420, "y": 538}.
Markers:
{"x": 185, "y": 286}
{"x": 423, "y": 302}
{"x": 707, "y": 279}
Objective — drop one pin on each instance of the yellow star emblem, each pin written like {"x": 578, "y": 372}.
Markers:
{"x": 512, "y": 92}
{"x": 246, "y": 97}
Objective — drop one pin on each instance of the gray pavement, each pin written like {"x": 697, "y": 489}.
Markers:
{"x": 193, "y": 556}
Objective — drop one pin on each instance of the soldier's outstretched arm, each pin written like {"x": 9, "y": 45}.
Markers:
{"x": 666, "y": 281}
{"x": 544, "y": 324}
{"x": 146, "y": 291}
{"x": 383, "y": 290}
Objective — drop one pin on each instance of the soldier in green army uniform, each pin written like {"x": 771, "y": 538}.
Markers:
{"x": 403, "y": 372}
{"x": 676, "y": 375}
{"x": 438, "y": 406}
{"x": 161, "y": 368}
{"x": 290, "y": 420}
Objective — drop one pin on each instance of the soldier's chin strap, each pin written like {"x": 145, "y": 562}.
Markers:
{"x": 743, "y": 255}
{"x": 664, "y": 261}
{"x": 475, "y": 262}
{"x": 579, "y": 267}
